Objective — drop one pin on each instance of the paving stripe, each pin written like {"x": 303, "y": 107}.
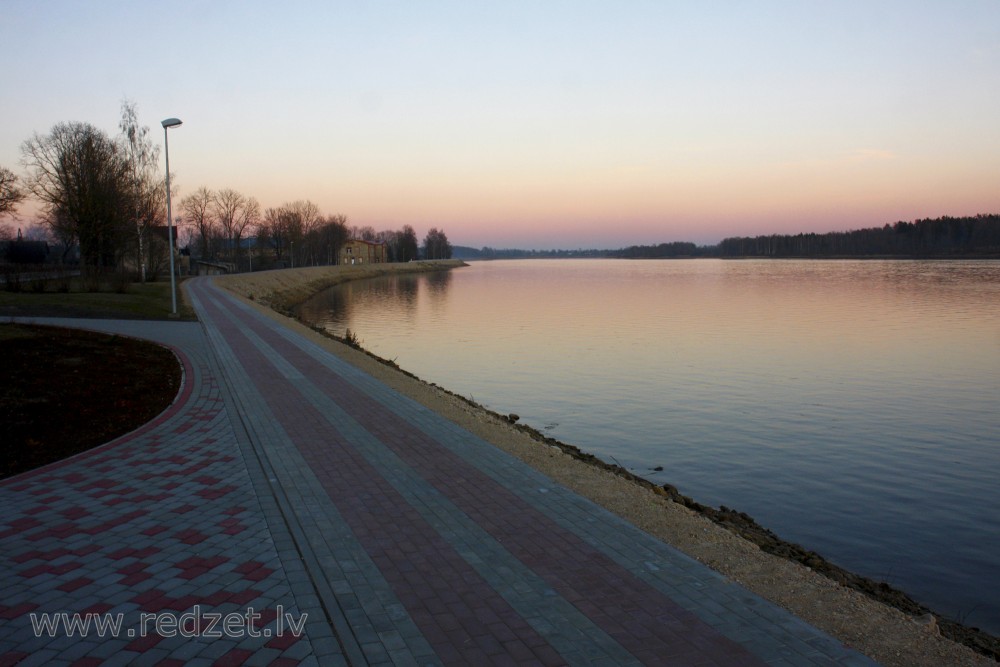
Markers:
{"x": 356, "y": 598}
{"x": 258, "y": 432}
{"x": 455, "y": 608}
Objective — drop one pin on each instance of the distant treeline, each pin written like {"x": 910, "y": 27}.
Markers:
{"x": 663, "y": 250}
{"x": 465, "y": 252}
{"x": 938, "y": 237}
{"x": 976, "y": 236}
{"x": 677, "y": 249}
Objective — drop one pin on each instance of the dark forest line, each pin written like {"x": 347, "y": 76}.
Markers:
{"x": 945, "y": 237}
{"x": 977, "y": 236}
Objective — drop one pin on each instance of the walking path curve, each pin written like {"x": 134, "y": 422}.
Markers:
{"x": 285, "y": 486}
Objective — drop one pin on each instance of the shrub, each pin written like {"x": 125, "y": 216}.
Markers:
{"x": 351, "y": 338}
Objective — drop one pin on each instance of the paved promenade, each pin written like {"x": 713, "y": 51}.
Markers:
{"x": 311, "y": 515}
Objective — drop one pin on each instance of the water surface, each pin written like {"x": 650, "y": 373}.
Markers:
{"x": 850, "y": 406}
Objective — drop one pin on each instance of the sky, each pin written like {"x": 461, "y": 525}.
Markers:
{"x": 543, "y": 124}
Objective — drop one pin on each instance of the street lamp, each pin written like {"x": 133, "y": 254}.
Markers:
{"x": 167, "y": 124}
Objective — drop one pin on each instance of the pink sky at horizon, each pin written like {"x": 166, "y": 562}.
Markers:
{"x": 566, "y": 125}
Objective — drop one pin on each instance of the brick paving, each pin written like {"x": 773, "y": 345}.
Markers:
{"x": 284, "y": 485}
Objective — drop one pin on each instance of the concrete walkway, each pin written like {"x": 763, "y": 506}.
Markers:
{"x": 318, "y": 517}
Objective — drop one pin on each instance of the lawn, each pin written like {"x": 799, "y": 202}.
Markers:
{"x": 141, "y": 301}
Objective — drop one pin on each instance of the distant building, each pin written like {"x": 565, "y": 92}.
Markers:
{"x": 24, "y": 252}
{"x": 357, "y": 251}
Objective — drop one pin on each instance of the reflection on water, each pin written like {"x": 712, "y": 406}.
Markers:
{"x": 390, "y": 297}
{"x": 850, "y": 406}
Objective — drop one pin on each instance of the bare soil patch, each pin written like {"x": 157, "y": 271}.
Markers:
{"x": 63, "y": 391}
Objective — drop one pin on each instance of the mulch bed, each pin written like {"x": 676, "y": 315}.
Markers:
{"x": 63, "y": 391}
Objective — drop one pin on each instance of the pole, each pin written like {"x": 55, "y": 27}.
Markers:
{"x": 170, "y": 228}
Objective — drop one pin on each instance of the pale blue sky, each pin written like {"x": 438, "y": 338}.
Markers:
{"x": 539, "y": 124}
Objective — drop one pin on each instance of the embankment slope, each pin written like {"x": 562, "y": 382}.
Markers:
{"x": 283, "y": 290}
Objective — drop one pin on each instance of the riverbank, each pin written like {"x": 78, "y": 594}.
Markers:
{"x": 283, "y": 290}
{"x": 885, "y": 633}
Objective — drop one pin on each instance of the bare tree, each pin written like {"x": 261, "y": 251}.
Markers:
{"x": 235, "y": 212}
{"x": 366, "y": 233}
{"x": 11, "y": 193}
{"x": 247, "y": 221}
{"x": 197, "y": 208}
{"x": 436, "y": 245}
{"x": 272, "y": 231}
{"x": 226, "y": 206}
{"x": 299, "y": 218}
{"x": 147, "y": 188}
{"x": 391, "y": 238}
{"x": 82, "y": 179}
{"x": 401, "y": 245}
{"x": 323, "y": 241}
{"x": 408, "y": 247}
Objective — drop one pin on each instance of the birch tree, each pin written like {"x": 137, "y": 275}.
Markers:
{"x": 147, "y": 189}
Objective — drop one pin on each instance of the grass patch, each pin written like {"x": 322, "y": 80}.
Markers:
{"x": 57, "y": 298}
{"x": 63, "y": 391}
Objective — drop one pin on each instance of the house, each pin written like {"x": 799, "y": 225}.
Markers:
{"x": 357, "y": 251}
{"x": 24, "y": 252}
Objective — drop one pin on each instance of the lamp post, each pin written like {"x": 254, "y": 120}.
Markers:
{"x": 167, "y": 124}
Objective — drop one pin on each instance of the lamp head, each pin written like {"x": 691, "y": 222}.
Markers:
{"x": 170, "y": 122}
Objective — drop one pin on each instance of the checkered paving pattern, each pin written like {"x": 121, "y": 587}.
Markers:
{"x": 287, "y": 479}
{"x": 162, "y": 521}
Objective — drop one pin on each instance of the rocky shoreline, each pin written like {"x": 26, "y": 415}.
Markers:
{"x": 871, "y": 616}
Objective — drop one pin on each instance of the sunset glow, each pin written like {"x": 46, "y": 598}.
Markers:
{"x": 557, "y": 125}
